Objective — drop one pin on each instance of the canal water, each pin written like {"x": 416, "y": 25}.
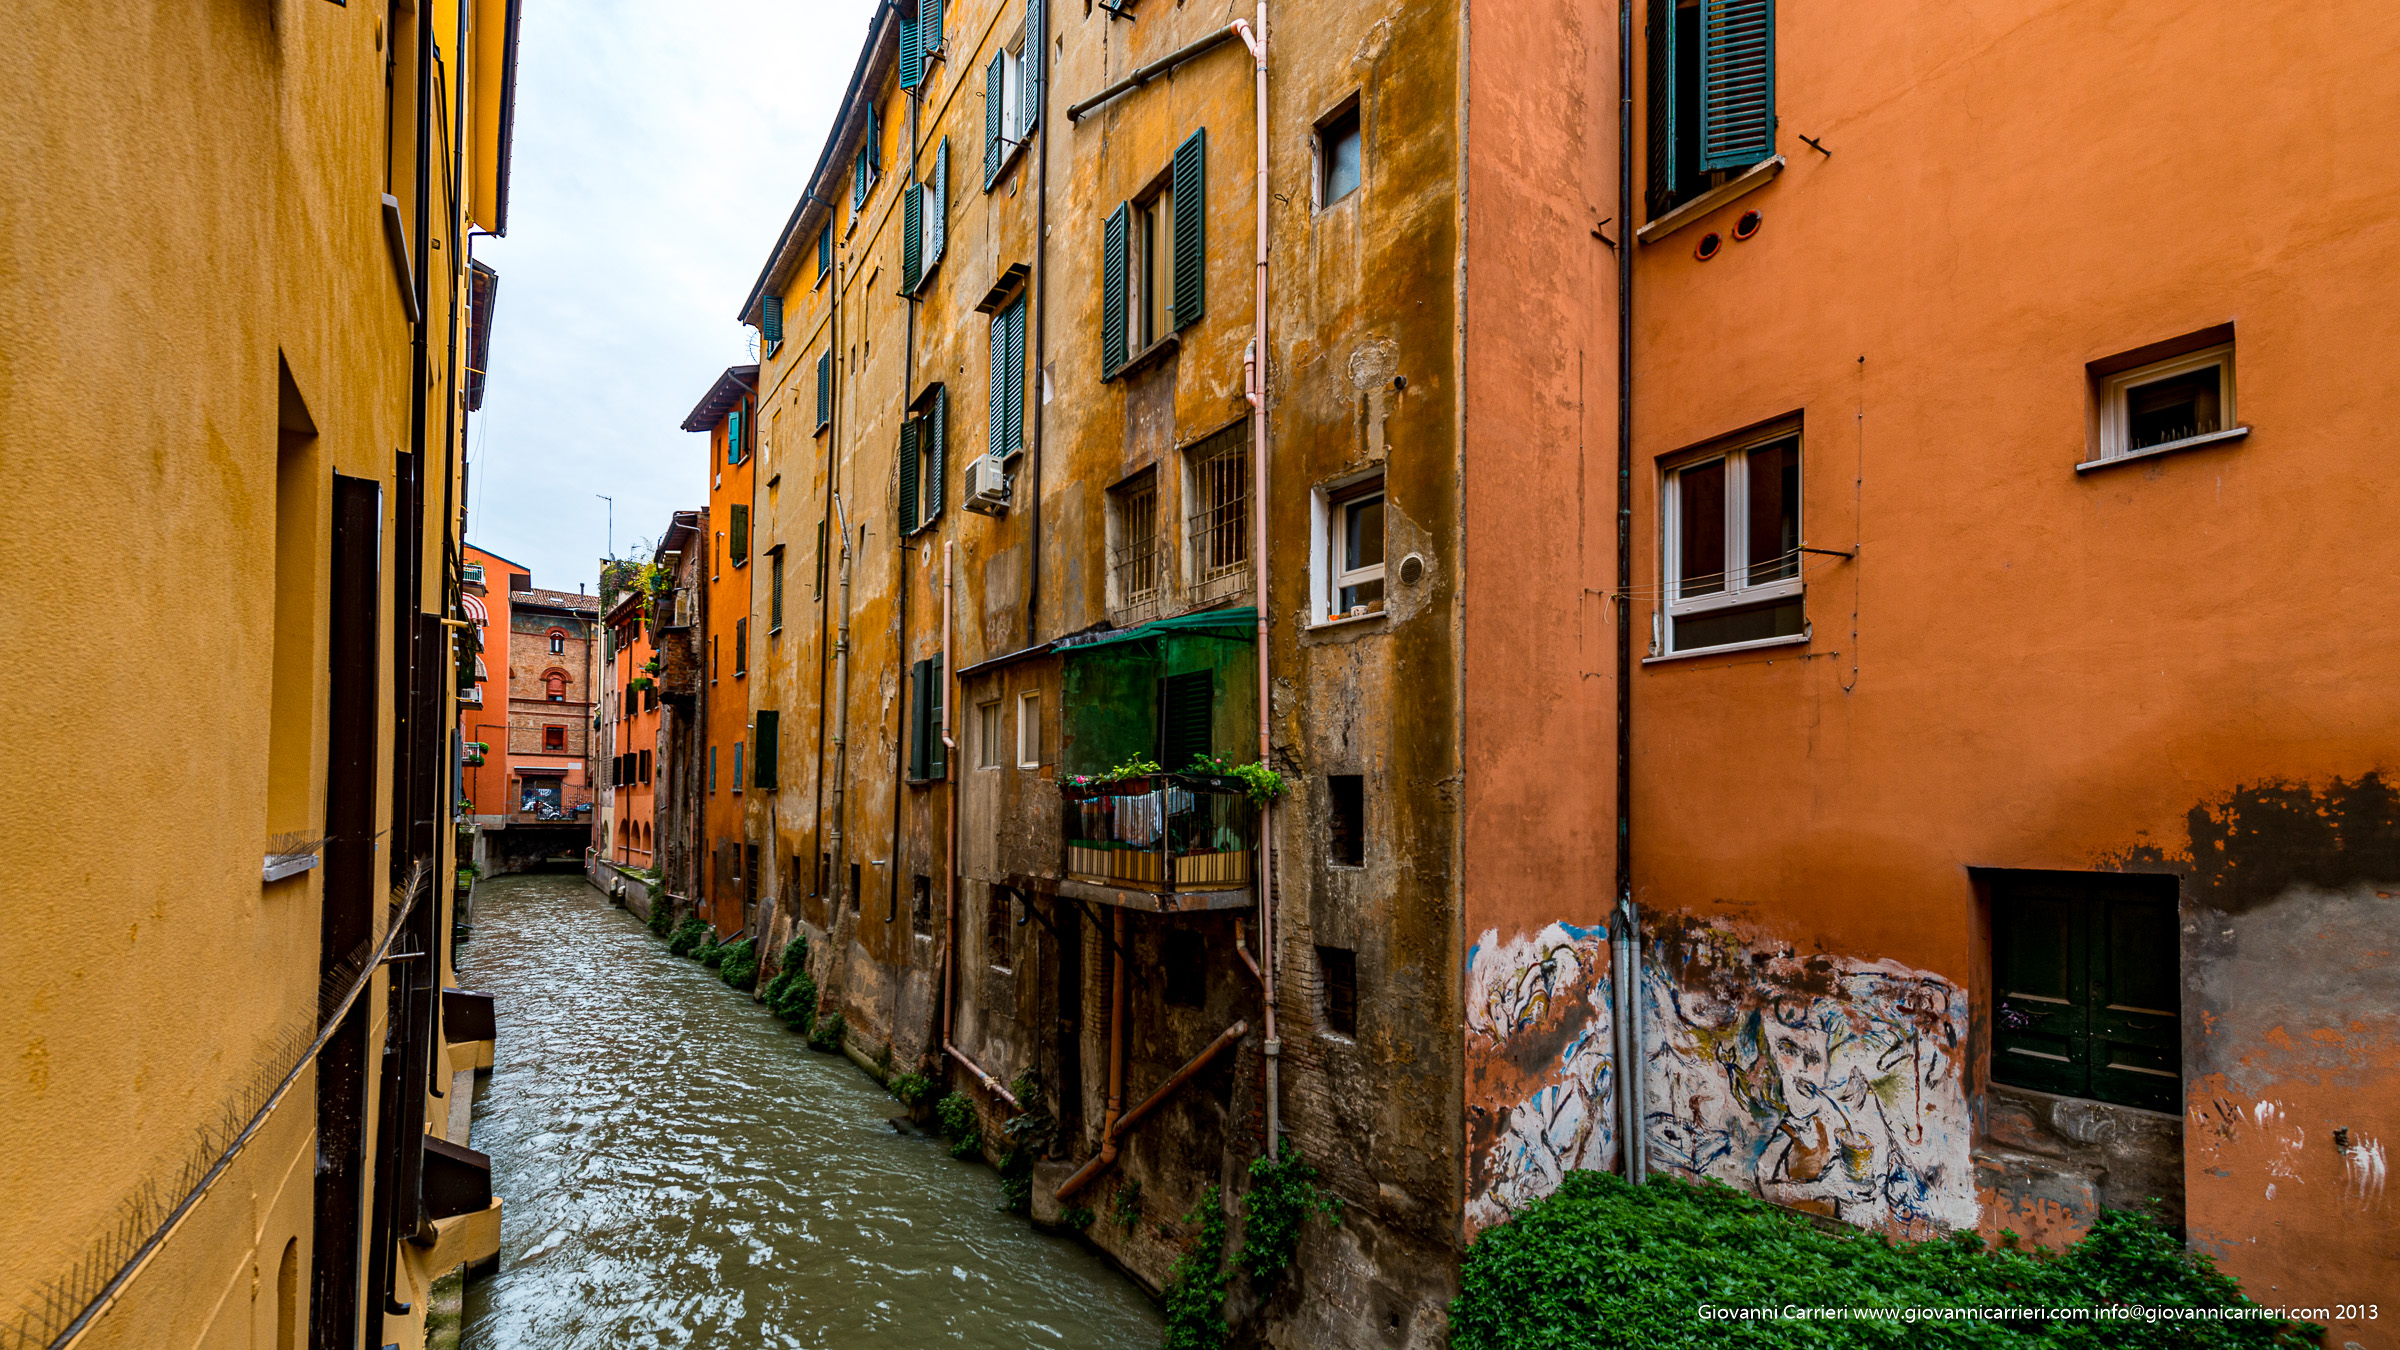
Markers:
{"x": 679, "y": 1171}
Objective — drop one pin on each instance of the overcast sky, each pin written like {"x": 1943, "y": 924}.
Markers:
{"x": 660, "y": 145}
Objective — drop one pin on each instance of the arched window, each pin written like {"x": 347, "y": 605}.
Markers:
{"x": 558, "y": 639}
{"x": 556, "y": 681}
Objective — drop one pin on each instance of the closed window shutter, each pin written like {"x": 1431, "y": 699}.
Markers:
{"x": 937, "y": 445}
{"x": 1013, "y": 320}
{"x": 937, "y": 223}
{"x": 2038, "y": 963}
{"x": 908, "y": 476}
{"x": 1112, "y": 291}
{"x": 766, "y": 755}
{"x": 993, "y": 401}
{"x": 771, "y": 318}
{"x": 858, "y": 182}
{"x": 738, "y": 780}
{"x": 733, "y": 437}
{"x": 825, "y": 252}
{"x": 1662, "y": 105}
{"x": 936, "y": 753}
{"x": 916, "y": 721}
{"x": 1737, "y": 83}
{"x": 825, "y": 389}
{"x": 995, "y": 85}
{"x": 775, "y": 593}
{"x": 912, "y": 239}
{"x": 1191, "y": 229}
{"x": 874, "y": 146}
{"x": 911, "y": 52}
{"x": 2136, "y": 996}
{"x": 741, "y": 533}
{"x": 1185, "y": 703}
{"x": 1037, "y": 44}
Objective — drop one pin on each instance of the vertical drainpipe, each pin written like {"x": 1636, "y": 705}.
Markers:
{"x": 908, "y": 378}
{"x": 1254, "y": 381}
{"x": 833, "y": 348}
{"x": 1627, "y": 930}
{"x": 1040, "y": 44}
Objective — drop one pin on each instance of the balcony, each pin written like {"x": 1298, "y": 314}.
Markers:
{"x": 1169, "y": 841}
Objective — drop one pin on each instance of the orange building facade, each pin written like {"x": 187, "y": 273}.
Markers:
{"x": 728, "y": 869}
{"x": 483, "y": 704}
{"x": 630, "y": 712}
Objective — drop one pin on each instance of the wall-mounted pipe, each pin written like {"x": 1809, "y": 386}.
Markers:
{"x": 1145, "y": 74}
{"x": 1629, "y": 1075}
{"x": 1125, "y": 1123}
{"x": 1254, "y": 382}
{"x": 950, "y": 864}
{"x": 841, "y": 717}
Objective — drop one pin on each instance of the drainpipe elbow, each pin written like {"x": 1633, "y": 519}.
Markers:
{"x": 1241, "y": 29}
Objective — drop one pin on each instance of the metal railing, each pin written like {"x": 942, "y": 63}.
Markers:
{"x": 1164, "y": 832}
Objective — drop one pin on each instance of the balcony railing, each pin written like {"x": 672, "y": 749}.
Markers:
{"x": 1144, "y": 581}
{"x": 1164, "y": 833}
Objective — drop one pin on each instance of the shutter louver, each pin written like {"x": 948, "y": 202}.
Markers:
{"x": 1185, "y": 704}
{"x": 825, "y": 252}
{"x": 1662, "y": 106}
{"x": 937, "y": 459}
{"x": 824, "y": 390}
{"x": 764, "y": 757}
{"x": 1014, "y": 322}
{"x": 874, "y": 146}
{"x": 1037, "y": 46}
{"x": 996, "y": 403}
{"x": 911, "y": 52}
{"x": 741, "y": 534}
{"x": 1191, "y": 229}
{"x": 908, "y": 476}
{"x": 771, "y": 319}
{"x": 938, "y": 224}
{"x": 995, "y": 92}
{"x": 912, "y": 239}
{"x": 1737, "y": 83}
{"x": 1112, "y": 292}
{"x": 937, "y": 754}
{"x": 929, "y": 27}
{"x": 916, "y": 722}
{"x": 733, "y": 437}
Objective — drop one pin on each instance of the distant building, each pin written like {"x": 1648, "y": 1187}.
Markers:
{"x": 551, "y": 669}
{"x": 485, "y": 782}
{"x": 729, "y": 637}
{"x": 629, "y": 714}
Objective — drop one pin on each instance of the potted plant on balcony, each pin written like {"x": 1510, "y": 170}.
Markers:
{"x": 1261, "y": 783}
{"x": 641, "y": 684}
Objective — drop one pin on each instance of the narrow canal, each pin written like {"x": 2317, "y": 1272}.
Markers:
{"x": 680, "y": 1171}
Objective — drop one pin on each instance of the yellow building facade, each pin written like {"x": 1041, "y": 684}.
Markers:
{"x": 235, "y": 292}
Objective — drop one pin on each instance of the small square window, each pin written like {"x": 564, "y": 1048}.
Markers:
{"x": 1346, "y": 820}
{"x": 1352, "y": 525}
{"x": 991, "y": 741}
{"x": 554, "y": 739}
{"x": 2186, "y": 399}
{"x": 854, "y": 888}
{"x": 1337, "y": 970}
{"x": 1732, "y": 544}
{"x": 1338, "y": 160}
{"x": 1029, "y": 731}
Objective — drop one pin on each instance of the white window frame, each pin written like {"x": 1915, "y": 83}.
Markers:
{"x": 1326, "y": 577}
{"x": 1029, "y": 729}
{"x": 991, "y": 734}
{"x": 1739, "y": 592}
{"x": 2116, "y": 422}
{"x": 1012, "y": 101}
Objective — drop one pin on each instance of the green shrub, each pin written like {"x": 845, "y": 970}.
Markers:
{"x": 1076, "y": 1217}
{"x": 828, "y": 1035}
{"x": 956, "y": 1114}
{"x": 1283, "y": 1193}
{"x": 737, "y": 964}
{"x": 1129, "y": 1204}
{"x": 1195, "y": 1292}
{"x": 688, "y": 936}
{"x": 910, "y": 1088}
{"x": 792, "y": 994}
{"x": 660, "y": 919}
{"x": 1016, "y": 1182}
{"x": 710, "y": 952}
{"x": 1635, "y": 1264}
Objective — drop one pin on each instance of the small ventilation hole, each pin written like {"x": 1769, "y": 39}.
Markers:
{"x": 1709, "y": 246}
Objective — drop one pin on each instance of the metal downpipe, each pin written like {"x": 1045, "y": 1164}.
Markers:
{"x": 1254, "y": 380}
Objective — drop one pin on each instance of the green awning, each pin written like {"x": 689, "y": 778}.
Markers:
{"x": 1239, "y": 624}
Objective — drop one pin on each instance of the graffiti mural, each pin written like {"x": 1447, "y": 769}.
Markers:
{"x": 1540, "y": 1065}
{"x": 1818, "y": 1082}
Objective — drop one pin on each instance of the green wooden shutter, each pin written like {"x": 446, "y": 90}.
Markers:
{"x": 2039, "y": 987}
{"x": 1662, "y": 105}
{"x": 775, "y": 592}
{"x": 937, "y": 754}
{"x": 825, "y": 251}
{"x": 874, "y": 146}
{"x": 824, "y": 543}
{"x": 733, "y": 437}
{"x": 1112, "y": 291}
{"x": 916, "y": 722}
{"x": 929, "y": 25}
{"x": 858, "y": 182}
{"x": 1186, "y": 703}
{"x": 1191, "y": 229}
{"x": 771, "y": 318}
{"x": 1037, "y": 46}
{"x": 763, "y": 759}
{"x": 937, "y": 442}
{"x": 741, "y": 533}
{"x": 908, "y": 476}
{"x": 912, "y": 53}
{"x": 824, "y": 390}
{"x": 1013, "y": 322}
{"x": 1737, "y": 83}
{"x": 912, "y": 239}
{"x": 2136, "y": 998}
{"x": 937, "y": 231}
{"x": 994, "y": 403}
{"x": 995, "y": 85}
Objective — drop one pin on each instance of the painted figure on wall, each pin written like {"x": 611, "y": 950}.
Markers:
{"x": 1541, "y": 1071}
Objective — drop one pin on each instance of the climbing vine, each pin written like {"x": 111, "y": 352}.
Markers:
{"x": 1283, "y": 1194}
{"x": 1195, "y": 1292}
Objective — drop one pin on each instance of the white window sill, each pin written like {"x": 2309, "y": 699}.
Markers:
{"x": 2154, "y": 451}
{"x": 1345, "y": 621}
{"x": 1755, "y": 177}
{"x": 1795, "y": 640}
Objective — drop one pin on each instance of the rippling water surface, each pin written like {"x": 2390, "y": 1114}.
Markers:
{"x": 679, "y": 1171}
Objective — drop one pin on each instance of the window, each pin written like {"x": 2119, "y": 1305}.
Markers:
{"x": 558, "y": 642}
{"x": 824, "y": 391}
{"x": 1353, "y": 521}
{"x": 1337, "y": 970}
{"x": 1185, "y": 956}
{"x": 1346, "y": 820}
{"x": 1712, "y": 94}
{"x": 1218, "y": 493}
{"x": 2164, "y": 405}
{"x": 2085, "y": 974}
{"x": 990, "y": 739}
{"x": 996, "y": 901}
{"x": 554, "y": 740}
{"x": 1138, "y": 564}
{"x": 775, "y": 590}
{"x": 868, "y": 165}
{"x": 1187, "y": 706}
{"x": 712, "y": 768}
{"x": 554, "y": 686}
{"x": 854, "y": 888}
{"x": 1338, "y": 164}
{"x": 1005, "y": 409}
{"x": 1012, "y": 95}
{"x": 642, "y": 766}
{"x": 924, "y": 228}
{"x": 920, "y": 906}
{"x": 741, "y": 648}
{"x": 1732, "y": 534}
{"x": 770, "y": 322}
{"x": 737, "y": 765}
{"x": 1029, "y": 731}
{"x": 824, "y": 258}
{"x": 1154, "y": 261}
{"x": 733, "y": 437}
{"x": 920, "y": 38}
{"x": 713, "y": 643}
{"x": 739, "y": 544}
{"x": 924, "y": 442}
{"x": 824, "y": 551}
{"x": 765, "y": 763}
{"x": 926, "y": 760}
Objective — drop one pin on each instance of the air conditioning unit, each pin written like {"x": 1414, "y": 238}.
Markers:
{"x": 986, "y": 488}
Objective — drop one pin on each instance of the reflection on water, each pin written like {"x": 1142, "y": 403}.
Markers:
{"x": 680, "y": 1172}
